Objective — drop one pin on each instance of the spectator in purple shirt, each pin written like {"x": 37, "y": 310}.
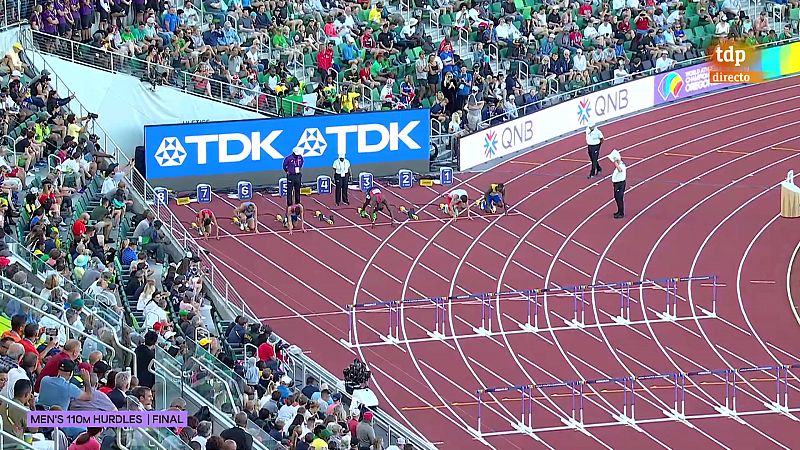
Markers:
{"x": 87, "y": 17}
{"x": 75, "y": 10}
{"x": 61, "y": 15}
{"x": 293, "y": 166}
{"x": 49, "y": 20}
{"x": 138, "y": 9}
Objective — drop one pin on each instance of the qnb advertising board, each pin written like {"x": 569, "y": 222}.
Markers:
{"x": 223, "y": 153}
{"x": 550, "y": 123}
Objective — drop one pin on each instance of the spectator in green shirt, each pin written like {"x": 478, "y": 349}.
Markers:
{"x": 770, "y": 37}
{"x": 787, "y": 33}
{"x": 751, "y": 38}
{"x": 379, "y": 69}
{"x": 101, "y": 216}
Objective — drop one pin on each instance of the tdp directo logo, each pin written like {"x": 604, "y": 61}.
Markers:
{"x": 312, "y": 142}
{"x": 732, "y": 62}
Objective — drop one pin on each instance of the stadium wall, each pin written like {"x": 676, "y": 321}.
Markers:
{"x": 515, "y": 136}
{"x": 126, "y": 105}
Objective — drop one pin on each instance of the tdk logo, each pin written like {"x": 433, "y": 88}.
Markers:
{"x": 237, "y": 147}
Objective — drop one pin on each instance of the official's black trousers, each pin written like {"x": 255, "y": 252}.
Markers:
{"x": 341, "y": 182}
{"x": 594, "y": 156}
{"x": 293, "y": 183}
{"x": 619, "y": 197}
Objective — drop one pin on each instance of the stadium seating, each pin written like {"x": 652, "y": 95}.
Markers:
{"x": 58, "y": 275}
{"x": 294, "y": 43}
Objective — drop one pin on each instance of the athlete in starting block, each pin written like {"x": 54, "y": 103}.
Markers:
{"x": 457, "y": 202}
{"x": 203, "y": 222}
{"x": 493, "y": 198}
{"x": 246, "y": 216}
{"x": 294, "y": 214}
{"x": 374, "y": 202}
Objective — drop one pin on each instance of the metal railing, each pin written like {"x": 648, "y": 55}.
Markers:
{"x": 557, "y": 96}
{"x": 106, "y": 316}
{"x": 8, "y": 439}
{"x": 54, "y": 315}
{"x": 239, "y": 95}
{"x": 214, "y": 277}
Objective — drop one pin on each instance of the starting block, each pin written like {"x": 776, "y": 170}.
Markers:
{"x": 363, "y": 214}
{"x": 481, "y": 203}
{"x": 443, "y": 208}
{"x": 323, "y": 217}
{"x": 411, "y": 213}
{"x": 238, "y": 222}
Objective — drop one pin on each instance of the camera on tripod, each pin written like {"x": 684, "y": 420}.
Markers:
{"x": 92, "y": 116}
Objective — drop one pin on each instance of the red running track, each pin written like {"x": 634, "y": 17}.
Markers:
{"x": 702, "y": 199}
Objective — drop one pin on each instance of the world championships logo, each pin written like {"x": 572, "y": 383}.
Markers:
{"x": 584, "y": 111}
{"x": 490, "y": 143}
{"x": 671, "y": 85}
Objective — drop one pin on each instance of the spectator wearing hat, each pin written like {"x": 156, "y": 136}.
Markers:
{"x": 664, "y": 62}
{"x": 365, "y": 433}
{"x": 352, "y": 422}
{"x": 12, "y": 62}
{"x": 399, "y": 444}
{"x": 293, "y": 166}
{"x": 321, "y": 438}
{"x": 57, "y": 390}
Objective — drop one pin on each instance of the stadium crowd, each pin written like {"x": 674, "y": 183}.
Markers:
{"x": 495, "y": 61}
{"x": 92, "y": 293}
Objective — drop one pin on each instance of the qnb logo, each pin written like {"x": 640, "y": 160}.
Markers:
{"x": 604, "y": 105}
{"x": 170, "y": 153}
{"x": 237, "y": 147}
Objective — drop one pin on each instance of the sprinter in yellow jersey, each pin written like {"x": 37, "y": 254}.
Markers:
{"x": 493, "y": 198}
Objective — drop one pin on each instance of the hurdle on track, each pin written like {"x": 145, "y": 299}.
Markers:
{"x": 533, "y": 318}
{"x": 573, "y": 418}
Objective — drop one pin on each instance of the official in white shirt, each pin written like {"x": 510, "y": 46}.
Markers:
{"x": 594, "y": 138}
{"x": 341, "y": 177}
{"x": 618, "y": 179}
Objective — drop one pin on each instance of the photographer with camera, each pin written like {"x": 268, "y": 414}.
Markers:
{"x": 78, "y": 125}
